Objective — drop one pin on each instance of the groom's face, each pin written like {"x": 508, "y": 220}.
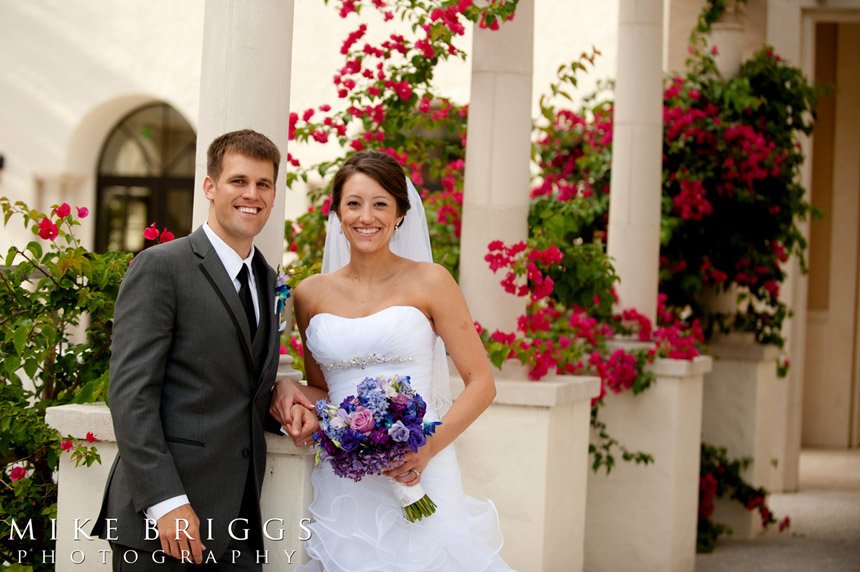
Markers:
{"x": 240, "y": 200}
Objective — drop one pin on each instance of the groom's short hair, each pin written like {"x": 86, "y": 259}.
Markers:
{"x": 245, "y": 142}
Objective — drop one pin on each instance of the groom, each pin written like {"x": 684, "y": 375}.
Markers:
{"x": 194, "y": 358}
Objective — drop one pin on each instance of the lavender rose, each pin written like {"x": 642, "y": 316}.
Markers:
{"x": 362, "y": 420}
{"x": 399, "y": 432}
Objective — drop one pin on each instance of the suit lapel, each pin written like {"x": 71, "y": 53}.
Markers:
{"x": 214, "y": 271}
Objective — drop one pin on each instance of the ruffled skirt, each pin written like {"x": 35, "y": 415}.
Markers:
{"x": 360, "y": 526}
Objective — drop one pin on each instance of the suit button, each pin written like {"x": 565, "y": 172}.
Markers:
{"x": 246, "y": 452}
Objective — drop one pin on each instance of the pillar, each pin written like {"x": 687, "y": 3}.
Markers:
{"x": 637, "y": 148}
{"x": 537, "y": 475}
{"x": 497, "y": 180}
{"x": 245, "y": 84}
{"x": 640, "y": 517}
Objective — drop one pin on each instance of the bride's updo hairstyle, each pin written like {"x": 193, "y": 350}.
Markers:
{"x": 380, "y": 167}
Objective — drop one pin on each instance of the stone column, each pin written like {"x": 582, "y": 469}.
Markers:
{"x": 634, "y": 207}
{"x": 245, "y": 84}
{"x": 644, "y": 517}
{"x": 536, "y": 475}
{"x": 745, "y": 410}
{"x": 496, "y": 197}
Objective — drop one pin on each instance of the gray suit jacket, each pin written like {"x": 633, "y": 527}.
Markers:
{"x": 189, "y": 390}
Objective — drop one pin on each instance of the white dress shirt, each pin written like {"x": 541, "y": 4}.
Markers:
{"x": 233, "y": 265}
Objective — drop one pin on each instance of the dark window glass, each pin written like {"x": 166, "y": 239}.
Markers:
{"x": 145, "y": 175}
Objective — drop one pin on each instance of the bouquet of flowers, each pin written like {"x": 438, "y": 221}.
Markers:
{"x": 370, "y": 432}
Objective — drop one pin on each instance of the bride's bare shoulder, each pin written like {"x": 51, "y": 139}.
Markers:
{"x": 311, "y": 289}
{"x": 433, "y": 273}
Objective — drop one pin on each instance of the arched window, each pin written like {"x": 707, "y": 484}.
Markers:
{"x": 145, "y": 175}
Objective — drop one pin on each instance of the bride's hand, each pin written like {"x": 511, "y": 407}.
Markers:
{"x": 286, "y": 394}
{"x": 304, "y": 424}
{"x": 409, "y": 472}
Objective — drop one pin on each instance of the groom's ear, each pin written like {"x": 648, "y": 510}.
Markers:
{"x": 209, "y": 187}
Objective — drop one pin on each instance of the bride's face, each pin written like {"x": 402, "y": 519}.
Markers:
{"x": 368, "y": 213}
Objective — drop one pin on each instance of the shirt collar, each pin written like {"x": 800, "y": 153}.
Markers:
{"x": 229, "y": 258}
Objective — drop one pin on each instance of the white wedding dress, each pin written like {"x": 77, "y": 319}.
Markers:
{"x": 359, "y": 525}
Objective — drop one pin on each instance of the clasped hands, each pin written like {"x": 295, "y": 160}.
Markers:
{"x": 294, "y": 411}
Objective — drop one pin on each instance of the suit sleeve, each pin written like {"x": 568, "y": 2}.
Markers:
{"x": 142, "y": 338}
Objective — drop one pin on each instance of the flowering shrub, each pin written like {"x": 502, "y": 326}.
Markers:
{"x": 720, "y": 477}
{"x": 57, "y": 303}
{"x": 731, "y": 200}
{"x": 568, "y": 331}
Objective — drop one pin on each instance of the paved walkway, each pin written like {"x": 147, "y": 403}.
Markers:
{"x": 825, "y": 523}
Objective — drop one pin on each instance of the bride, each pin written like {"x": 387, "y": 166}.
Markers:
{"x": 381, "y": 307}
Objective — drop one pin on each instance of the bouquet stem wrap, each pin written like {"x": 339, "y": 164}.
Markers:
{"x": 415, "y": 502}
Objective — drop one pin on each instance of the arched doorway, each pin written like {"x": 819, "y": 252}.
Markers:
{"x": 145, "y": 174}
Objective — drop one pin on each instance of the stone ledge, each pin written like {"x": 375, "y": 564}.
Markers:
{"x": 550, "y": 392}
{"x": 742, "y": 350}
{"x": 699, "y": 365}
{"x": 78, "y": 419}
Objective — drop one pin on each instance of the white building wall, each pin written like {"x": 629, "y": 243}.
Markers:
{"x": 69, "y": 70}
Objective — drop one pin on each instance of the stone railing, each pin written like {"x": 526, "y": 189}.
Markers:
{"x": 527, "y": 452}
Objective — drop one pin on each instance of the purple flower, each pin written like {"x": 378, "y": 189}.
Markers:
{"x": 420, "y": 405}
{"x": 399, "y": 432}
{"x": 350, "y": 440}
{"x": 329, "y": 446}
{"x": 400, "y": 402}
{"x": 379, "y": 436}
{"x": 362, "y": 420}
{"x": 416, "y": 437}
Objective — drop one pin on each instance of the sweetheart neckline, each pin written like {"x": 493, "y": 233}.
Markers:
{"x": 416, "y": 308}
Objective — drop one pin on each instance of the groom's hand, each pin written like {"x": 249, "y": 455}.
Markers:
{"x": 287, "y": 394}
{"x": 179, "y": 533}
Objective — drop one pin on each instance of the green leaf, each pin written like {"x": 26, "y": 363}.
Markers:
{"x": 30, "y": 367}
{"x": 19, "y": 338}
{"x": 10, "y": 256}
{"x": 35, "y": 248}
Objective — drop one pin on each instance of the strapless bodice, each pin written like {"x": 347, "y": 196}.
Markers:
{"x": 395, "y": 340}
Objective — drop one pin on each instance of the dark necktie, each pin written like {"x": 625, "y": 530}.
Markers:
{"x": 247, "y": 301}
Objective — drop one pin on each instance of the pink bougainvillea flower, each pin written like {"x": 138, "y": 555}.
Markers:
{"x": 83, "y": 212}
{"x": 66, "y": 445}
{"x": 166, "y": 235}
{"x": 90, "y": 437}
{"x": 63, "y": 210}
{"x": 47, "y": 229}
{"x": 151, "y": 233}
{"x": 18, "y": 472}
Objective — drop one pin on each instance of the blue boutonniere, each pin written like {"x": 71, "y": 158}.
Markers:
{"x": 282, "y": 292}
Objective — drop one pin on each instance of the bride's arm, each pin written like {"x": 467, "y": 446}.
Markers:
{"x": 286, "y": 391}
{"x": 453, "y": 323}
